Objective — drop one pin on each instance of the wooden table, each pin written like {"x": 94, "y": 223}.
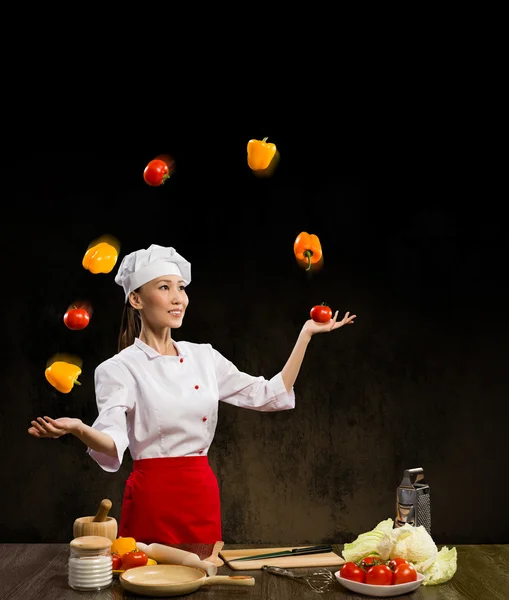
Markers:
{"x": 39, "y": 572}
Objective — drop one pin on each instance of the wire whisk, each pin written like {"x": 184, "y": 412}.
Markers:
{"x": 319, "y": 581}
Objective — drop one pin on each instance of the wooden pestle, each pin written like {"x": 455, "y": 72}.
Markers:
{"x": 100, "y": 524}
{"x": 102, "y": 511}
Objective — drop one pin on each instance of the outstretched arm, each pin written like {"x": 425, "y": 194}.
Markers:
{"x": 54, "y": 428}
{"x": 294, "y": 362}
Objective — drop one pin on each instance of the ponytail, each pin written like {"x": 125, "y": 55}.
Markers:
{"x": 130, "y": 327}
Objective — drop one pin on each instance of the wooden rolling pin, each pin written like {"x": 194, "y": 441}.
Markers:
{"x": 167, "y": 555}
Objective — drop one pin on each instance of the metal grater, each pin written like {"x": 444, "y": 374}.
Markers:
{"x": 413, "y": 506}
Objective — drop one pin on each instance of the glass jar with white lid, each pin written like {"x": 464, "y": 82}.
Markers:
{"x": 90, "y": 563}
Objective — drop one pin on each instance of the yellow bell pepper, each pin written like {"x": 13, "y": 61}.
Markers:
{"x": 100, "y": 258}
{"x": 122, "y": 545}
{"x": 63, "y": 376}
{"x": 260, "y": 154}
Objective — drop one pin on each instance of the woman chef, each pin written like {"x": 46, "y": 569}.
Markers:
{"x": 159, "y": 398}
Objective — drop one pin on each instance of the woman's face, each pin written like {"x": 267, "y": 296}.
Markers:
{"x": 162, "y": 302}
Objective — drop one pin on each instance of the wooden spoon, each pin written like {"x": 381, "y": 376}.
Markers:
{"x": 214, "y": 557}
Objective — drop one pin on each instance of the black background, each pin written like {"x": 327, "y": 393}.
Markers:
{"x": 412, "y": 244}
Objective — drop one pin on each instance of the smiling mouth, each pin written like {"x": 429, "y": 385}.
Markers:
{"x": 176, "y": 313}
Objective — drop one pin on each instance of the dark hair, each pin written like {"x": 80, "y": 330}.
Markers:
{"x": 130, "y": 326}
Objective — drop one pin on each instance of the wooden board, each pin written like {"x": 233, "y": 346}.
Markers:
{"x": 327, "y": 559}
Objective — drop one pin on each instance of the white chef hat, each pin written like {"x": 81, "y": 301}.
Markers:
{"x": 143, "y": 265}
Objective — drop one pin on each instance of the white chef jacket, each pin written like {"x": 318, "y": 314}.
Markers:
{"x": 161, "y": 406}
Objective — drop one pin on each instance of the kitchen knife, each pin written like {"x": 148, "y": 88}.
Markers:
{"x": 293, "y": 552}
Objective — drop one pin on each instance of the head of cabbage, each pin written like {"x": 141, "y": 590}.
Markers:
{"x": 414, "y": 544}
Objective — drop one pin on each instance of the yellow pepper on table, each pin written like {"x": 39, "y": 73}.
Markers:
{"x": 307, "y": 249}
{"x": 63, "y": 376}
{"x": 260, "y": 154}
{"x": 122, "y": 545}
{"x": 100, "y": 258}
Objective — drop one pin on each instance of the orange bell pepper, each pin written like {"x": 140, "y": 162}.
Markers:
{"x": 100, "y": 258}
{"x": 122, "y": 545}
{"x": 307, "y": 249}
{"x": 63, "y": 375}
{"x": 260, "y": 154}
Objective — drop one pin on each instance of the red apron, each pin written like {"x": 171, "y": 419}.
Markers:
{"x": 171, "y": 501}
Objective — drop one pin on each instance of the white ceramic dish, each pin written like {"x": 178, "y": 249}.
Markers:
{"x": 380, "y": 591}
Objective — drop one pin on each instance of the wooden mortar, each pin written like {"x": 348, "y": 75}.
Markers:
{"x": 100, "y": 524}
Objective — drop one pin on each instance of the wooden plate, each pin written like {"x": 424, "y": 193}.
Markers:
{"x": 175, "y": 580}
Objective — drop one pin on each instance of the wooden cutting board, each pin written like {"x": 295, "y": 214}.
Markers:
{"x": 326, "y": 559}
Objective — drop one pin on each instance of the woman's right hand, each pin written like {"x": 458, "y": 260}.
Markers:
{"x": 53, "y": 428}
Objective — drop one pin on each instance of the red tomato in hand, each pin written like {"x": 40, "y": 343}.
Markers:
{"x": 404, "y": 573}
{"x": 321, "y": 313}
{"x": 379, "y": 575}
{"x": 134, "y": 558}
{"x": 397, "y": 560}
{"x": 352, "y": 571}
{"x": 76, "y": 318}
{"x": 156, "y": 172}
{"x": 116, "y": 560}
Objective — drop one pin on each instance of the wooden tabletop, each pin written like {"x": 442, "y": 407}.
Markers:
{"x": 40, "y": 572}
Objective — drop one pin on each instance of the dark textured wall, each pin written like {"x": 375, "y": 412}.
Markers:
{"x": 419, "y": 380}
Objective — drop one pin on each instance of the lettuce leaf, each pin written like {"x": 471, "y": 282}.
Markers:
{"x": 415, "y": 545}
{"x": 367, "y": 543}
{"x": 443, "y": 567}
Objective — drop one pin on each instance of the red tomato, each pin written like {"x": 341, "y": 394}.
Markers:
{"x": 367, "y": 561}
{"x": 116, "y": 560}
{"x": 321, "y": 313}
{"x": 404, "y": 573}
{"x": 397, "y": 560}
{"x": 352, "y": 571}
{"x": 379, "y": 575}
{"x": 76, "y": 318}
{"x": 156, "y": 172}
{"x": 134, "y": 558}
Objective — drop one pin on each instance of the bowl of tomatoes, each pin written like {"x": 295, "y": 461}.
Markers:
{"x": 373, "y": 576}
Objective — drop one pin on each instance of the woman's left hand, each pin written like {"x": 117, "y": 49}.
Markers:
{"x": 313, "y": 327}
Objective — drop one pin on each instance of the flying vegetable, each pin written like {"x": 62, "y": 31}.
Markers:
{"x": 100, "y": 258}
{"x": 260, "y": 154}
{"x": 63, "y": 376}
{"x": 308, "y": 250}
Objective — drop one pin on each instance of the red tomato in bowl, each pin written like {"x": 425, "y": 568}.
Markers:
{"x": 76, "y": 318}
{"x": 369, "y": 561}
{"x": 156, "y": 172}
{"x": 352, "y": 571}
{"x": 321, "y": 313}
{"x": 397, "y": 560}
{"x": 404, "y": 573}
{"x": 134, "y": 558}
{"x": 379, "y": 575}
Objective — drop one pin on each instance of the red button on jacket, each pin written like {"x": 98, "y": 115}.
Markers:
{"x": 196, "y": 387}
